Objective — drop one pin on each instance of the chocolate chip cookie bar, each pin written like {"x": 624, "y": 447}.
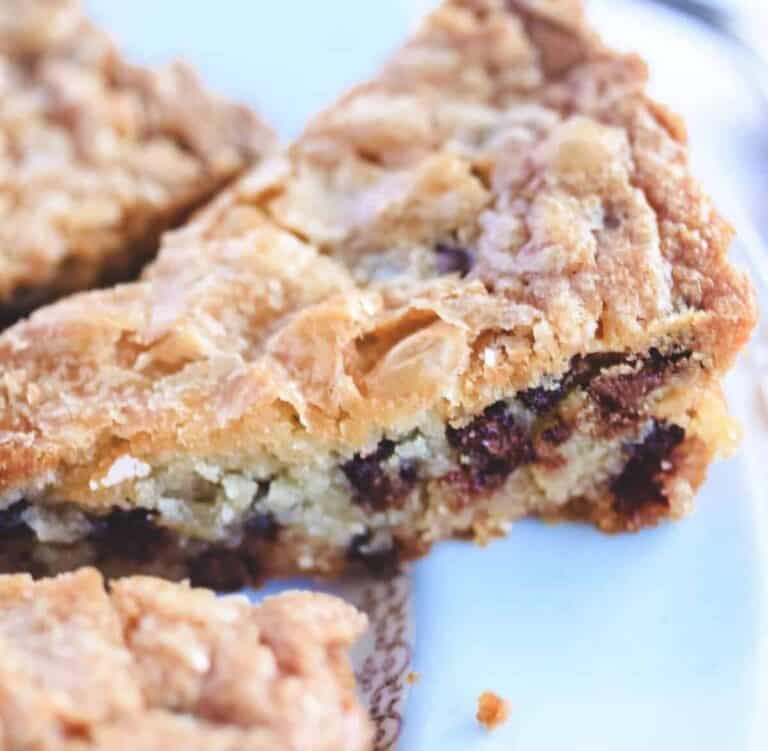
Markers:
{"x": 155, "y": 665}
{"x": 481, "y": 286}
{"x": 97, "y": 156}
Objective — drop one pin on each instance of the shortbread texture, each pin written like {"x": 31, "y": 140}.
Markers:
{"x": 481, "y": 286}
{"x": 155, "y": 665}
{"x": 99, "y": 156}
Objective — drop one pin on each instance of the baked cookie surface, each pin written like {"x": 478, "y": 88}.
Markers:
{"x": 153, "y": 665}
{"x": 98, "y": 156}
{"x": 481, "y": 286}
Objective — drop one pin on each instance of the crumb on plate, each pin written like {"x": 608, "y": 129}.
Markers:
{"x": 492, "y": 710}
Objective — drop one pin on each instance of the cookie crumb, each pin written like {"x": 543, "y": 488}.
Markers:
{"x": 412, "y": 678}
{"x": 492, "y": 710}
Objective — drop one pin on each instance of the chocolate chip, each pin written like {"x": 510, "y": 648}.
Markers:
{"x": 548, "y": 440}
{"x": 452, "y": 259}
{"x": 129, "y": 534}
{"x": 556, "y": 434}
{"x": 11, "y": 521}
{"x": 611, "y": 221}
{"x": 380, "y": 560}
{"x": 615, "y": 393}
{"x": 261, "y": 526}
{"x": 375, "y": 486}
{"x": 496, "y": 410}
{"x": 584, "y": 368}
{"x": 621, "y": 394}
{"x": 661, "y": 361}
{"x": 220, "y": 569}
{"x": 540, "y": 400}
{"x": 409, "y": 470}
{"x": 489, "y": 449}
{"x": 638, "y": 486}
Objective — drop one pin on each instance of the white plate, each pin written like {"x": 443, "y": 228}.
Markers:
{"x": 651, "y": 641}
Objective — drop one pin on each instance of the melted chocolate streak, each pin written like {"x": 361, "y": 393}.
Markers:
{"x": 493, "y": 445}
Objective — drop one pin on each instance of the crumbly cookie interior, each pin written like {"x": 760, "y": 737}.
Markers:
{"x": 619, "y": 441}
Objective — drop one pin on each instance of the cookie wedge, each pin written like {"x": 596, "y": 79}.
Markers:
{"x": 98, "y": 156}
{"x": 481, "y": 286}
{"x": 152, "y": 665}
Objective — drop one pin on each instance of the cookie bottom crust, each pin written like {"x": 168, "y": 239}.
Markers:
{"x": 621, "y": 441}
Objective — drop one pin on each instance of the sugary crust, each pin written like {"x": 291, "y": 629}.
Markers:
{"x": 159, "y": 665}
{"x": 302, "y": 313}
{"x": 98, "y": 156}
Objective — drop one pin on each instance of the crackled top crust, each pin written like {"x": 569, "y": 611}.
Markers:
{"x": 160, "y": 665}
{"x": 96, "y": 154}
{"x": 307, "y": 309}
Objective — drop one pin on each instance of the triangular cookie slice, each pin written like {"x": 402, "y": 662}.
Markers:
{"x": 98, "y": 157}
{"x": 479, "y": 287}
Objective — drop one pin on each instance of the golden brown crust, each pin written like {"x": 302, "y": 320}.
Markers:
{"x": 303, "y": 314}
{"x": 154, "y": 663}
{"x": 99, "y": 156}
